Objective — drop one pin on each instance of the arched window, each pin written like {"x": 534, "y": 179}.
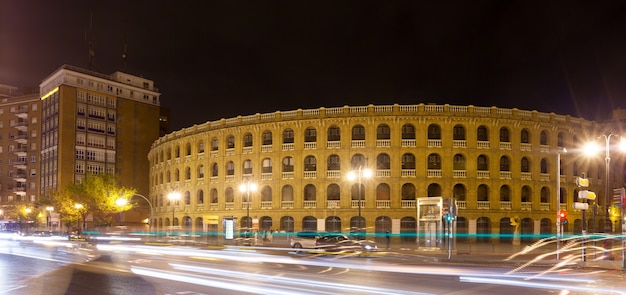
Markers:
{"x": 544, "y": 166}
{"x": 214, "y": 197}
{"x": 266, "y": 194}
{"x": 310, "y": 135}
{"x": 229, "y": 195}
{"x": 310, "y": 193}
{"x": 434, "y": 161}
{"x": 526, "y": 194}
{"x": 334, "y": 133}
{"x": 434, "y": 131}
{"x": 434, "y": 190}
{"x": 201, "y": 147}
{"x": 215, "y": 144}
{"x": 408, "y": 191}
{"x": 287, "y": 193}
{"x": 230, "y": 168}
{"x": 543, "y": 139}
{"x": 358, "y": 160}
{"x": 247, "y": 167}
{"x": 408, "y": 131}
{"x": 559, "y": 140}
{"x": 459, "y": 192}
{"x": 483, "y": 193}
{"x": 482, "y": 133}
{"x": 525, "y": 165}
{"x": 505, "y": 193}
{"x": 504, "y": 135}
{"x": 230, "y": 142}
{"x": 333, "y": 192}
{"x": 383, "y": 192}
{"x": 247, "y": 139}
{"x": 201, "y": 171}
{"x": 458, "y": 133}
{"x": 358, "y": 132}
{"x": 383, "y": 132}
{"x": 200, "y": 197}
{"x": 310, "y": 163}
{"x": 333, "y": 163}
{"x": 383, "y": 162}
{"x": 176, "y": 175}
{"x": 187, "y": 198}
{"x": 214, "y": 170}
{"x": 525, "y": 136}
{"x": 288, "y": 164}
{"x": 459, "y": 162}
{"x": 504, "y": 164}
{"x": 187, "y": 173}
{"x": 545, "y": 195}
{"x": 188, "y": 149}
{"x": 267, "y": 165}
{"x": 267, "y": 137}
{"x": 408, "y": 161}
{"x": 288, "y": 135}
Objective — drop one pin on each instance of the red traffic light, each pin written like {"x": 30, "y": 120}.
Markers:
{"x": 562, "y": 215}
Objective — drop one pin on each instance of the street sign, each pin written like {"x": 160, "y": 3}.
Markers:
{"x": 580, "y": 206}
{"x": 618, "y": 197}
{"x": 588, "y": 195}
{"x": 582, "y": 182}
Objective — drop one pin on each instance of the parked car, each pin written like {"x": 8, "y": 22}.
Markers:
{"x": 305, "y": 239}
{"x": 341, "y": 242}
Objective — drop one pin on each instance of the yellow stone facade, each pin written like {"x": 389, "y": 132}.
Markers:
{"x": 497, "y": 163}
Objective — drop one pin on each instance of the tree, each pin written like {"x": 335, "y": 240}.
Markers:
{"x": 95, "y": 195}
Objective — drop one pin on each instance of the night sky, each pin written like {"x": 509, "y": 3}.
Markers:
{"x": 219, "y": 59}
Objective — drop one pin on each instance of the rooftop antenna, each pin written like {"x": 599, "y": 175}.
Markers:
{"x": 124, "y": 55}
{"x": 90, "y": 41}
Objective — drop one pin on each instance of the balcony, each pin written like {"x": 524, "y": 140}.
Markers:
{"x": 505, "y": 205}
{"x": 408, "y": 204}
{"x": 434, "y": 143}
{"x": 358, "y": 143}
{"x": 310, "y": 204}
{"x": 268, "y": 204}
{"x": 333, "y": 204}
{"x": 408, "y": 143}
{"x": 355, "y": 203}
{"x": 383, "y": 204}
{"x": 482, "y": 205}
{"x": 408, "y": 173}
{"x": 459, "y": 173}
{"x": 434, "y": 173}
{"x": 333, "y": 144}
{"x": 383, "y": 143}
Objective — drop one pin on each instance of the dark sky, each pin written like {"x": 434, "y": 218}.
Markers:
{"x": 220, "y": 59}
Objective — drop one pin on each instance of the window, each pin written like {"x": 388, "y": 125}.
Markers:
{"x": 247, "y": 167}
{"x": 247, "y": 140}
{"x": 543, "y": 140}
{"x": 408, "y": 131}
{"x": 267, "y": 165}
{"x": 434, "y": 161}
{"x": 230, "y": 142}
{"x": 288, "y": 135}
{"x": 525, "y": 165}
{"x": 459, "y": 162}
{"x": 383, "y": 132}
{"x": 267, "y": 138}
{"x": 434, "y": 131}
{"x": 310, "y": 135}
{"x": 482, "y": 134}
{"x": 504, "y": 164}
{"x": 215, "y": 144}
{"x": 383, "y": 162}
{"x": 288, "y": 164}
{"x": 333, "y": 163}
{"x": 504, "y": 135}
{"x": 408, "y": 161}
{"x": 482, "y": 163}
{"x": 458, "y": 132}
{"x": 358, "y": 132}
{"x": 310, "y": 163}
{"x": 334, "y": 133}
{"x": 525, "y": 137}
{"x": 201, "y": 147}
{"x": 230, "y": 168}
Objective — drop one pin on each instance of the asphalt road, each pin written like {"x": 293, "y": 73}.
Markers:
{"x": 141, "y": 269}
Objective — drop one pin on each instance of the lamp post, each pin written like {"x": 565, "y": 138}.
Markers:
{"x": 358, "y": 175}
{"x": 173, "y": 197}
{"x": 49, "y": 209}
{"x": 591, "y": 149}
{"x": 248, "y": 188}
{"x": 121, "y": 202}
{"x": 149, "y": 204}
{"x": 559, "y": 228}
{"x": 79, "y": 207}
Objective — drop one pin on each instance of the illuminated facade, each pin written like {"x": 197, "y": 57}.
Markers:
{"x": 96, "y": 123}
{"x": 497, "y": 163}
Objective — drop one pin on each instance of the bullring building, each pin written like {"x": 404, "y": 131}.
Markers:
{"x": 496, "y": 163}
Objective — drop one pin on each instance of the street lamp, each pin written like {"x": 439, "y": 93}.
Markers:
{"x": 149, "y": 204}
{"x": 559, "y": 228}
{"x": 173, "y": 197}
{"x": 591, "y": 149}
{"x": 248, "y": 188}
{"x": 121, "y": 202}
{"x": 79, "y": 207}
{"x": 358, "y": 175}
{"x": 49, "y": 209}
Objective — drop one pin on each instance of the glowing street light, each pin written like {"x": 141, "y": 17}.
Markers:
{"x": 592, "y": 148}
{"x": 173, "y": 197}
{"x": 248, "y": 188}
{"x": 121, "y": 202}
{"x": 358, "y": 175}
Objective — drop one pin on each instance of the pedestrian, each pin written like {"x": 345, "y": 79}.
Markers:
{"x": 388, "y": 236}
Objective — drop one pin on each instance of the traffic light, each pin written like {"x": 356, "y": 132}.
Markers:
{"x": 449, "y": 217}
{"x": 563, "y": 216}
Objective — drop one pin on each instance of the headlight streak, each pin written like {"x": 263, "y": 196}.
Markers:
{"x": 254, "y": 257}
{"x": 537, "y": 284}
{"x": 337, "y": 287}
